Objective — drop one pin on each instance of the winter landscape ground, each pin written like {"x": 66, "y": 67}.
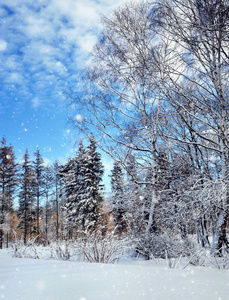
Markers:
{"x": 26, "y": 279}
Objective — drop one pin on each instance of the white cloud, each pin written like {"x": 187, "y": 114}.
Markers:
{"x": 87, "y": 42}
{"x": 44, "y": 44}
{"x": 14, "y": 78}
{"x": 3, "y": 45}
{"x": 36, "y": 103}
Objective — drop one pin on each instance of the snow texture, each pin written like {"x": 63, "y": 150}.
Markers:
{"x": 26, "y": 279}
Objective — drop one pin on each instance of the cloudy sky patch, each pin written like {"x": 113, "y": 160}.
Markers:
{"x": 44, "y": 45}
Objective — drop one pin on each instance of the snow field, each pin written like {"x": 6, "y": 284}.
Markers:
{"x": 30, "y": 279}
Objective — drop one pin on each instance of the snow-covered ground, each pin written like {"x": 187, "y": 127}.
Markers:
{"x": 31, "y": 279}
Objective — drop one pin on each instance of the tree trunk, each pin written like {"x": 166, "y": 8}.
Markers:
{"x": 1, "y": 237}
{"x": 153, "y": 199}
{"x": 220, "y": 237}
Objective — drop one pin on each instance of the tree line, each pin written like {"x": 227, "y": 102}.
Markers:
{"x": 55, "y": 201}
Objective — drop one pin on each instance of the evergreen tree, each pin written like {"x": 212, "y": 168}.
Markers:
{"x": 26, "y": 211}
{"x": 7, "y": 186}
{"x": 48, "y": 185}
{"x": 56, "y": 168}
{"x": 83, "y": 176}
{"x": 136, "y": 202}
{"x": 118, "y": 196}
{"x": 69, "y": 174}
{"x": 39, "y": 185}
{"x": 93, "y": 178}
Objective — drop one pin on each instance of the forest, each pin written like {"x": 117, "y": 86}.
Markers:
{"x": 155, "y": 98}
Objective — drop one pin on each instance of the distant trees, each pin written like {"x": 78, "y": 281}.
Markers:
{"x": 54, "y": 202}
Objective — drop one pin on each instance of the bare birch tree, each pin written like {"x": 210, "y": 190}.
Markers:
{"x": 198, "y": 30}
{"x": 119, "y": 99}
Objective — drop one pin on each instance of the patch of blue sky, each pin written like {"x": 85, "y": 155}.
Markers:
{"x": 44, "y": 45}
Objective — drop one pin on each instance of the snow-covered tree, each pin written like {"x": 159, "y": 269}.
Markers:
{"x": 48, "y": 186}
{"x": 118, "y": 199}
{"x": 69, "y": 176}
{"x": 38, "y": 166}
{"x": 82, "y": 176}
{"x": 197, "y": 83}
{"x": 93, "y": 182}
{"x": 26, "y": 210}
{"x": 8, "y": 179}
{"x": 56, "y": 168}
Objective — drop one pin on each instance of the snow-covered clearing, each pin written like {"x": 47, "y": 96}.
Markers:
{"x": 33, "y": 279}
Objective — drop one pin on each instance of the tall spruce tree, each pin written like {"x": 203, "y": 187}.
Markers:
{"x": 8, "y": 181}
{"x": 48, "y": 185}
{"x": 38, "y": 166}
{"x": 135, "y": 199}
{"x": 56, "y": 168}
{"x": 26, "y": 210}
{"x": 83, "y": 176}
{"x": 69, "y": 174}
{"x": 77, "y": 208}
{"x": 93, "y": 179}
{"x": 119, "y": 208}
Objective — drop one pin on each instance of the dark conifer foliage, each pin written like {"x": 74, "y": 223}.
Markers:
{"x": 8, "y": 181}
{"x": 82, "y": 176}
{"x": 93, "y": 179}
{"x": 119, "y": 199}
{"x": 48, "y": 177}
{"x": 38, "y": 166}
{"x": 56, "y": 170}
{"x": 69, "y": 177}
{"x": 27, "y": 208}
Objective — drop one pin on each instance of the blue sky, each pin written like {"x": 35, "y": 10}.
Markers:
{"x": 44, "y": 45}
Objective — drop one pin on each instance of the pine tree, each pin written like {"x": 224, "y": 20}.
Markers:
{"x": 135, "y": 199}
{"x": 39, "y": 185}
{"x": 8, "y": 169}
{"x": 69, "y": 174}
{"x": 118, "y": 196}
{"x": 83, "y": 176}
{"x": 48, "y": 185}
{"x": 93, "y": 179}
{"x": 56, "y": 168}
{"x": 26, "y": 211}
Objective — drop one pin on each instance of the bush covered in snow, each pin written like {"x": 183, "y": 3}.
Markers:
{"x": 100, "y": 246}
{"x": 164, "y": 246}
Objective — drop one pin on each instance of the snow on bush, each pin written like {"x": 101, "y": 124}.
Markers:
{"x": 100, "y": 246}
{"x": 164, "y": 246}
{"x": 20, "y": 250}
